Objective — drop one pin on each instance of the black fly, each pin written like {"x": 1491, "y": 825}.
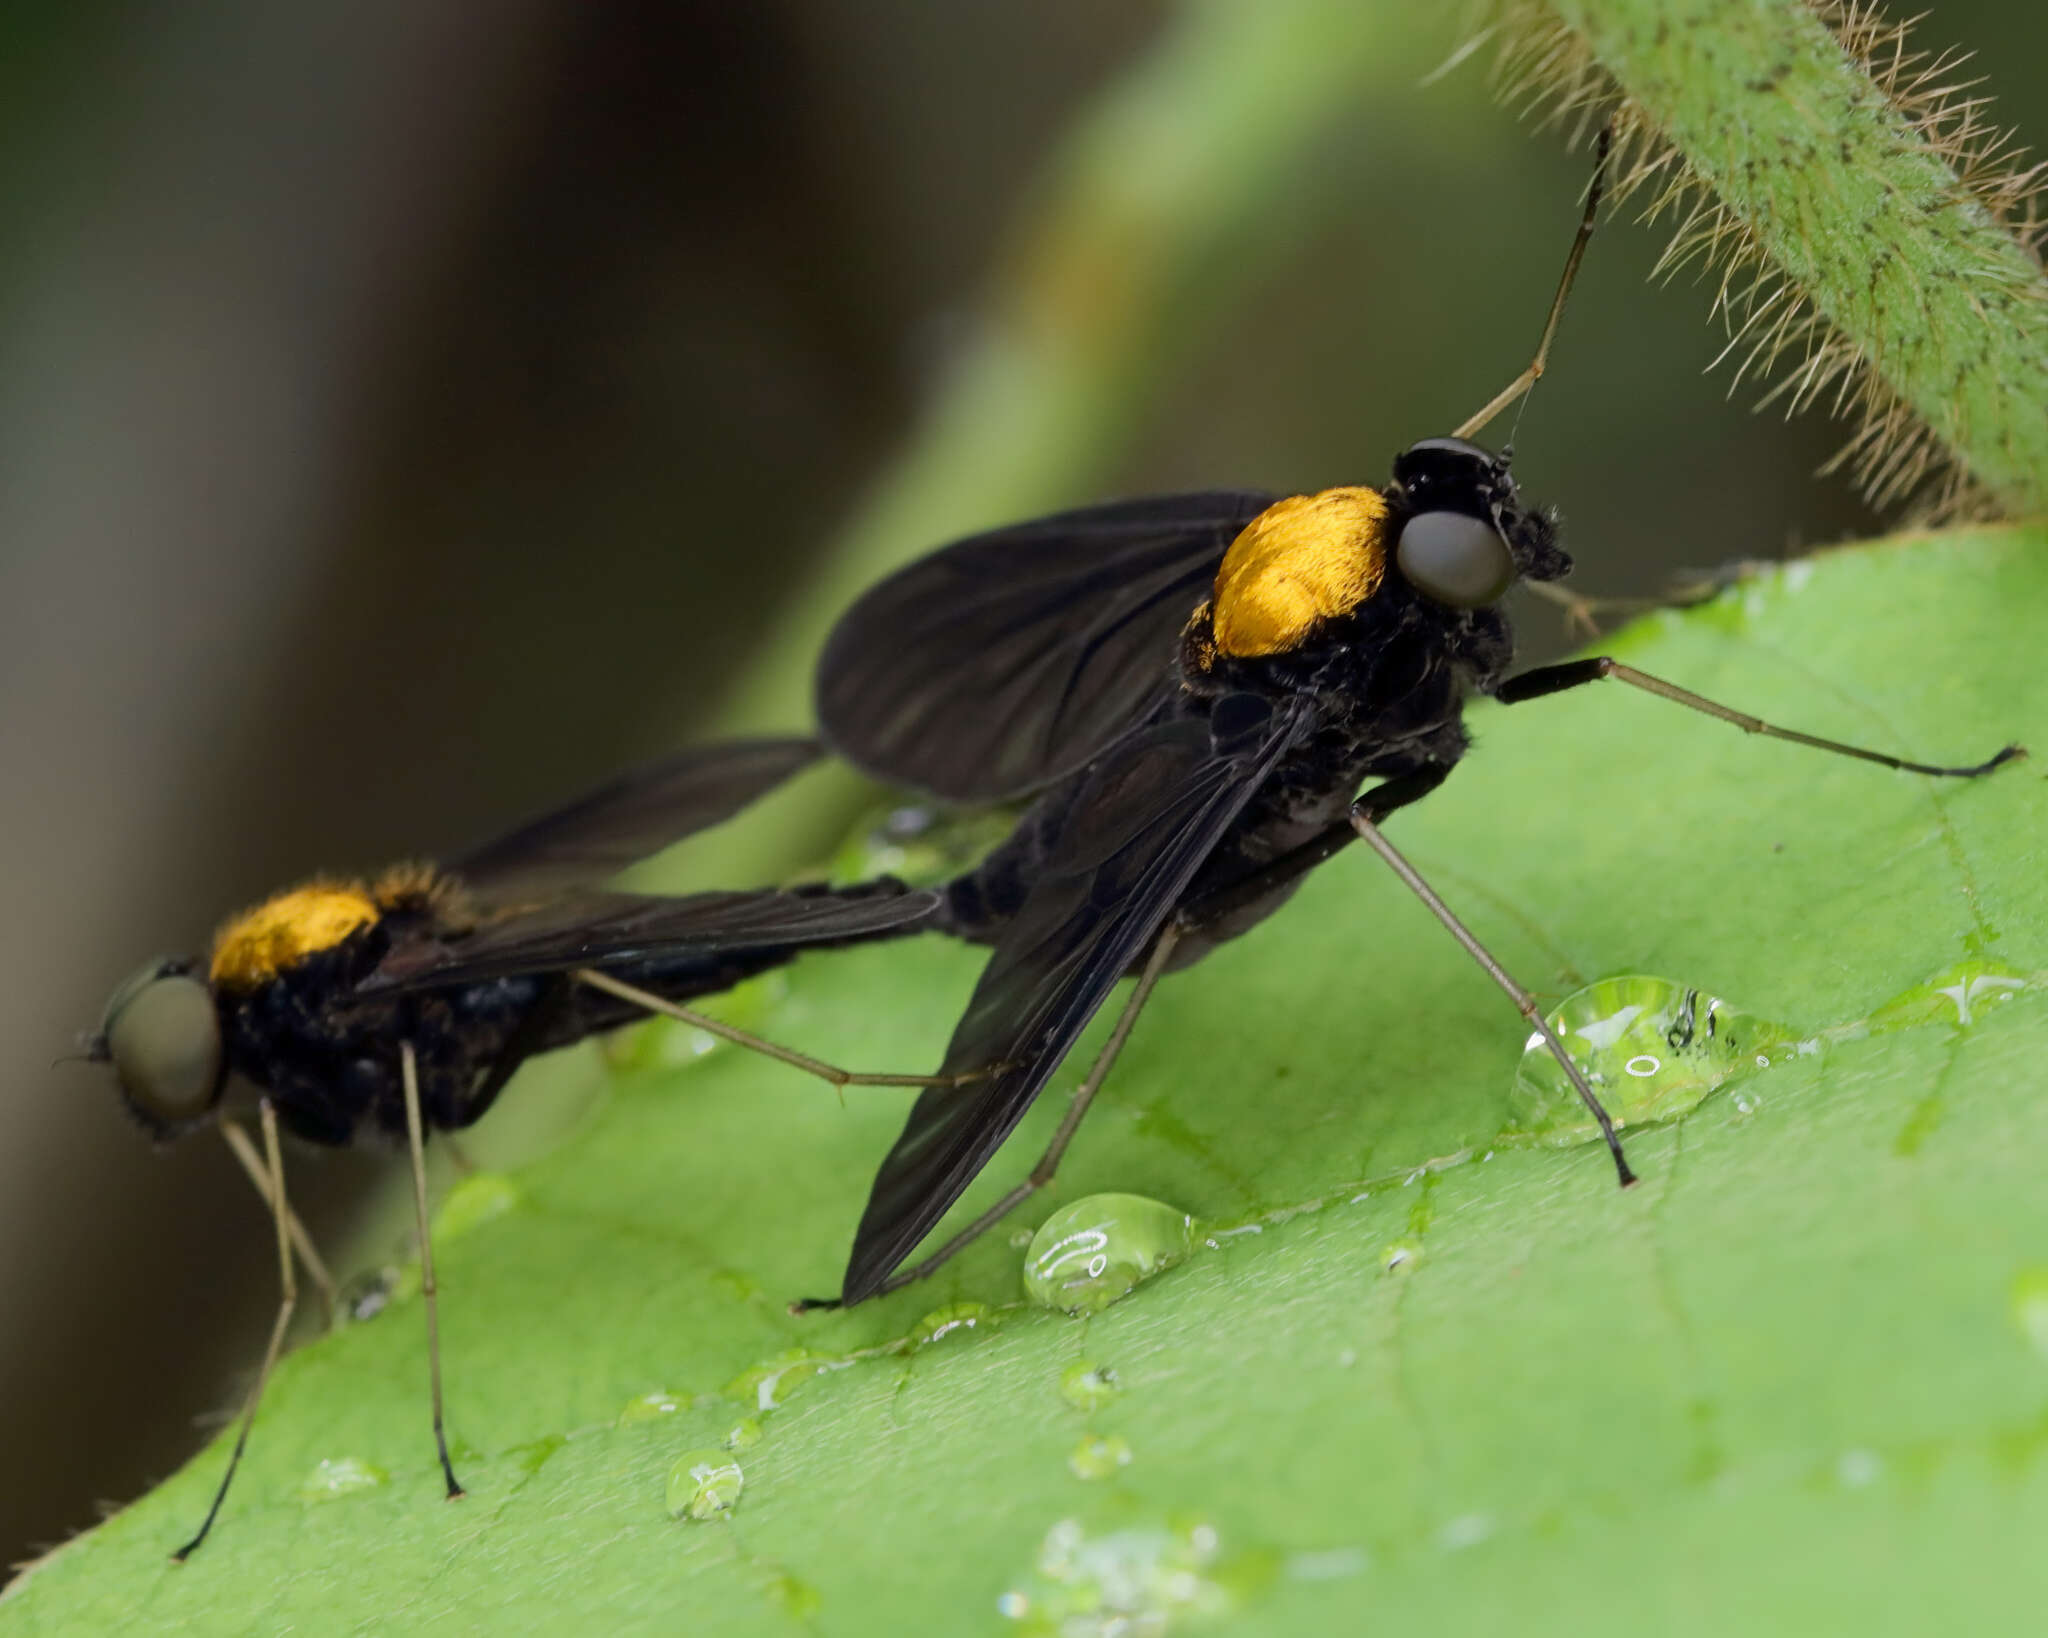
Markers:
{"x": 1190, "y": 692}
{"x": 403, "y": 1002}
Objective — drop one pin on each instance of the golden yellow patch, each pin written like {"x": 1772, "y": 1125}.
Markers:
{"x": 254, "y": 947}
{"x": 1301, "y": 561}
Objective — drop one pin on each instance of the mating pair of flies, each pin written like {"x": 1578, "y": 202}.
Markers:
{"x": 1185, "y": 694}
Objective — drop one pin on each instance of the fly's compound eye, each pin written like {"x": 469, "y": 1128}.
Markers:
{"x": 162, "y": 1036}
{"x": 1455, "y": 559}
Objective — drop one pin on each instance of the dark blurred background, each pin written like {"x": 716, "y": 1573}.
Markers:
{"x": 412, "y": 411}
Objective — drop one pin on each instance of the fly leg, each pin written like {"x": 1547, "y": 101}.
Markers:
{"x": 416, "y": 1141}
{"x": 245, "y": 1150}
{"x": 1048, "y": 1163}
{"x": 272, "y": 1188}
{"x": 1555, "y": 679}
{"x": 831, "y": 1073}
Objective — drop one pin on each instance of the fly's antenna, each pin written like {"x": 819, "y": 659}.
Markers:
{"x": 1519, "y": 387}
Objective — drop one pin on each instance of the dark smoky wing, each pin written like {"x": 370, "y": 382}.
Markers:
{"x": 1009, "y": 659}
{"x": 1153, "y": 810}
{"x": 614, "y": 929}
{"x": 635, "y": 815}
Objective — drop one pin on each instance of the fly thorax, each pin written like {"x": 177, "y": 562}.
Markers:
{"x": 285, "y": 931}
{"x": 1299, "y": 564}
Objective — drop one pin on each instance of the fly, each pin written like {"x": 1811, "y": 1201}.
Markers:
{"x": 1189, "y": 692}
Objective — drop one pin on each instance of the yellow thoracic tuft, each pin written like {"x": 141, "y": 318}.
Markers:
{"x": 1300, "y": 562}
{"x": 259, "y": 944}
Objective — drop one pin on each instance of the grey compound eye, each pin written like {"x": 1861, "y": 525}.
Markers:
{"x": 162, "y": 1036}
{"x": 1455, "y": 558}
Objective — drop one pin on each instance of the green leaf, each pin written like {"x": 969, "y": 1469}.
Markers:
{"x": 1796, "y": 1381}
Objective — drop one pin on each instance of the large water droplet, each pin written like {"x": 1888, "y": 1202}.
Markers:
{"x": 340, "y": 1476}
{"x": 703, "y": 1484}
{"x": 1088, "y": 1254}
{"x": 1088, "y": 1386}
{"x": 1958, "y": 995}
{"x": 1651, "y": 1048}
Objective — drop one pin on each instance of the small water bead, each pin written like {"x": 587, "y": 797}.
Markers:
{"x": 1401, "y": 1256}
{"x": 652, "y": 1407}
{"x": 340, "y": 1476}
{"x": 953, "y": 1318}
{"x": 1088, "y": 1386}
{"x": 366, "y": 1295}
{"x": 743, "y": 1434}
{"x": 1099, "y": 1456}
{"x": 1133, "y": 1583}
{"x": 1958, "y": 995}
{"x": 1651, "y": 1048}
{"x": 474, "y": 1201}
{"x": 704, "y": 1484}
{"x": 920, "y": 844}
{"x": 1088, "y": 1254}
{"x": 768, "y": 1387}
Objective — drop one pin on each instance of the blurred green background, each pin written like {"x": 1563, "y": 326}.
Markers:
{"x": 411, "y": 412}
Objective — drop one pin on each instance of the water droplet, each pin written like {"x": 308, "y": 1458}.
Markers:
{"x": 768, "y": 1387}
{"x": 1088, "y": 1254}
{"x": 652, "y": 1407}
{"x": 340, "y": 1476}
{"x": 1651, "y": 1048}
{"x": 922, "y": 845}
{"x": 366, "y": 1295}
{"x": 474, "y": 1201}
{"x": 1958, "y": 995}
{"x": 1140, "y": 1582}
{"x": 703, "y": 1484}
{"x": 1088, "y": 1386}
{"x": 955, "y": 1316}
{"x": 2030, "y": 1306}
{"x": 1400, "y": 1256}
{"x": 749, "y": 1006}
{"x": 743, "y": 1434}
{"x": 1099, "y": 1456}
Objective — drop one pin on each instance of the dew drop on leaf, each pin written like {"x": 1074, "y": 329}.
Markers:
{"x": 1088, "y": 1254}
{"x": 703, "y": 1484}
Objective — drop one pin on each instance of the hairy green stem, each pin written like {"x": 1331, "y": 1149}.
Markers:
{"x": 1858, "y": 210}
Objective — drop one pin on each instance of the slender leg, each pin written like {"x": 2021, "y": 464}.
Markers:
{"x": 244, "y": 1150}
{"x": 410, "y": 1066}
{"x": 273, "y": 1191}
{"x": 1049, "y": 1162}
{"x": 1555, "y": 679}
{"x": 739, "y": 1037}
{"x": 1525, "y": 1003}
{"x": 1534, "y": 373}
